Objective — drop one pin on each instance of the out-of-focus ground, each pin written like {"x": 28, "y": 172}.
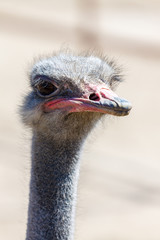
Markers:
{"x": 119, "y": 190}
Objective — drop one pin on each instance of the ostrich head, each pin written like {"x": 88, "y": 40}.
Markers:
{"x": 69, "y": 94}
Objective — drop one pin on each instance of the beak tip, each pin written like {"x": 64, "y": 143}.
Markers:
{"x": 128, "y": 106}
{"x": 123, "y": 103}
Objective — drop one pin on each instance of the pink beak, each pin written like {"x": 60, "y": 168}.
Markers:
{"x": 96, "y": 99}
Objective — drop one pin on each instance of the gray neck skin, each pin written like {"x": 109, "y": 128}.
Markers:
{"x": 54, "y": 177}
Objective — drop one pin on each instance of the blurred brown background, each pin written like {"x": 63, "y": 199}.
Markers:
{"x": 119, "y": 190}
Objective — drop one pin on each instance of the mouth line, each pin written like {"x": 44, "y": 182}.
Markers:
{"x": 106, "y": 106}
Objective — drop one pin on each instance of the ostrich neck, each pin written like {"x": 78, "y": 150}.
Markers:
{"x": 53, "y": 186}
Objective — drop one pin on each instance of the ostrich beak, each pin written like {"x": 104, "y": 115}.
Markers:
{"x": 101, "y": 100}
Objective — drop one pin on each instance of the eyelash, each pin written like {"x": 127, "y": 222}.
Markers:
{"x": 44, "y": 86}
{"x": 115, "y": 80}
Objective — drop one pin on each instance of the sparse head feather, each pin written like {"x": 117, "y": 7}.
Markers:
{"x": 77, "y": 68}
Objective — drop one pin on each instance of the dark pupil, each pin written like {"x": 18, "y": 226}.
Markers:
{"x": 46, "y": 88}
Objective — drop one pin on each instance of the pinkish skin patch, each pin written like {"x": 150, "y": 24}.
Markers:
{"x": 73, "y": 105}
{"x": 100, "y": 90}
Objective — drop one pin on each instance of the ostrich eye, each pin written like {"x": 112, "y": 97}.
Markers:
{"x": 45, "y": 87}
{"x": 115, "y": 80}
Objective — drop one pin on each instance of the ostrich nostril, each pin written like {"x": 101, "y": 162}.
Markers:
{"x": 94, "y": 97}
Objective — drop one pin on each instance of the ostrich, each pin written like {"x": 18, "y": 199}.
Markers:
{"x": 69, "y": 94}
